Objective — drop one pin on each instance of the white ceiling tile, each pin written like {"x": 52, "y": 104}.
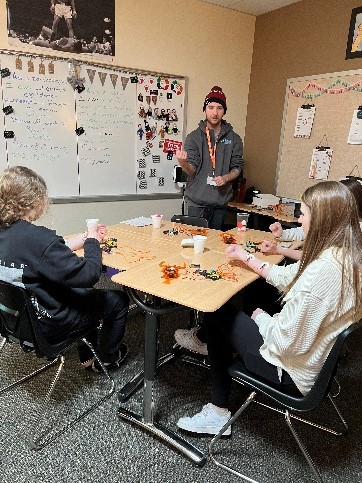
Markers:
{"x": 252, "y": 7}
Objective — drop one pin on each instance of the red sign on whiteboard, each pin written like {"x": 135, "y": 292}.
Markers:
{"x": 171, "y": 146}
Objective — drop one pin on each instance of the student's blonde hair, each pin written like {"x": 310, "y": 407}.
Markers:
{"x": 334, "y": 222}
{"x": 23, "y": 194}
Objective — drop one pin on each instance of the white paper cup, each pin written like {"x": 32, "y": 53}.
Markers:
{"x": 199, "y": 243}
{"x": 242, "y": 221}
{"x": 92, "y": 221}
{"x": 156, "y": 221}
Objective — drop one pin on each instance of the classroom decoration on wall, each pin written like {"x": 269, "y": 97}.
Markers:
{"x": 82, "y": 27}
{"x": 304, "y": 122}
{"x": 320, "y": 163}
{"x": 304, "y": 161}
{"x": 91, "y": 130}
{"x": 355, "y": 131}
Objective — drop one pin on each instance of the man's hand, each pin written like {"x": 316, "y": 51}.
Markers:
{"x": 181, "y": 156}
{"x": 52, "y": 8}
{"x": 221, "y": 180}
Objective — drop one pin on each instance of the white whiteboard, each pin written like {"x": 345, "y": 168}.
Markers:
{"x": 43, "y": 123}
{"x": 107, "y": 114}
{"x": 108, "y": 158}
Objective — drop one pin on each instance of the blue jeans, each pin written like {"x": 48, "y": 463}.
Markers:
{"x": 215, "y": 215}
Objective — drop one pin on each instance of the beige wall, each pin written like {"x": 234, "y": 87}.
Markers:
{"x": 303, "y": 39}
{"x": 206, "y": 43}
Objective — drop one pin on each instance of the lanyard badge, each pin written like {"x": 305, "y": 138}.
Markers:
{"x": 212, "y": 151}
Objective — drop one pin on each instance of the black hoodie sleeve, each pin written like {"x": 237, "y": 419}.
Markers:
{"x": 60, "y": 265}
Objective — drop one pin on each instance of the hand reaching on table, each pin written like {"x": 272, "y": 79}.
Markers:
{"x": 102, "y": 231}
{"x": 94, "y": 233}
{"x": 258, "y": 266}
{"x": 236, "y": 251}
{"x": 269, "y": 248}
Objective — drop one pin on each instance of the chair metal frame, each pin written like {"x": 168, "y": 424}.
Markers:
{"x": 289, "y": 400}
{"x": 19, "y": 324}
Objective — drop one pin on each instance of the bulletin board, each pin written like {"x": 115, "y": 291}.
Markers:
{"x": 336, "y": 98}
{"x": 92, "y": 131}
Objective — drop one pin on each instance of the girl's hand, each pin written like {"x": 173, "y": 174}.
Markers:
{"x": 102, "y": 231}
{"x": 256, "y": 313}
{"x": 276, "y": 229}
{"x": 236, "y": 251}
{"x": 93, "y": 232}
{"x": 268, "y": 247}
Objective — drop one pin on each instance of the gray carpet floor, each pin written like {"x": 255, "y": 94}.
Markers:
{"x": 102, "y": 448}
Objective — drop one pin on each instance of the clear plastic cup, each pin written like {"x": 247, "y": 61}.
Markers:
{"x": 242, "y": 221}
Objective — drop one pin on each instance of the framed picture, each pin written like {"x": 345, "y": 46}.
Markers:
{"x": 74, "y": 26}
{"x": 354, "y": 43}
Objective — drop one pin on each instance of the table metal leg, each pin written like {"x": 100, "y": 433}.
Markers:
{"x": 146, "y": 420}
{"x": 138, "y": 380}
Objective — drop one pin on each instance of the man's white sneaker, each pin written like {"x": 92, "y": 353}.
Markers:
{"x": 188, "y": 340}
{"x": 207, "y": 421}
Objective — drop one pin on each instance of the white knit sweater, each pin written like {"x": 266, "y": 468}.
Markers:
{"x": 300, "y": 337}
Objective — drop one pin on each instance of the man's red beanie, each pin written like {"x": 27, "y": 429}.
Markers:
{"x": 215, "y": 95}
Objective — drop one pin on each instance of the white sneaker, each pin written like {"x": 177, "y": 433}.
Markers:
{"x": 207, "y": 421}
{"x": 188, "y": 339}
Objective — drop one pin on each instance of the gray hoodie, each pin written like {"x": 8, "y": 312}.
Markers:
{"x": 229, "y": 156}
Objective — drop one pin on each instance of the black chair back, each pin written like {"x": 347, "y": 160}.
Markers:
{"x": 19, "y": 323}
{"x": 190, "y": 220}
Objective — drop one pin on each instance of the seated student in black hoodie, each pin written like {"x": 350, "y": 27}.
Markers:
{"x": 60, "y": 282}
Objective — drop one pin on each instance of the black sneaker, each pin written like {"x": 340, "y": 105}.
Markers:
{"x": 123, "y": 352}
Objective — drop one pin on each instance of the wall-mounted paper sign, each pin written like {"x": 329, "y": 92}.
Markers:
{"x": 355, "y": 131}
{"x": 304, "y": 122}
{"x": 321, "y": 161}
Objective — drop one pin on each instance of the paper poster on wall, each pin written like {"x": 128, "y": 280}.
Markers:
{"x": 304, "y": 121}
{"x": 320, "y": 163}
{"x": 355, "y": 131}
{"x": 73, "y": 26}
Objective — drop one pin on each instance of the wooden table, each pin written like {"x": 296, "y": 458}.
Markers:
{"x": 139, "y": 254}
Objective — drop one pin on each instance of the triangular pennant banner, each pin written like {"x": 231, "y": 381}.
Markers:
{"x": 91, "y": 73}
{"x": 102, "y": 77}
{"x": 124, "y": 82}
{"x": 114, "y": 78}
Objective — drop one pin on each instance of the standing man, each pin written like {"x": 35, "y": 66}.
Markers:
{"x": 212, "y": 159}
{"x": 63, "y": 9}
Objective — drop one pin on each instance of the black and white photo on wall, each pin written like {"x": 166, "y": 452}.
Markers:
{"x": 75, "y": 26}
{"x": 354, "y": 42}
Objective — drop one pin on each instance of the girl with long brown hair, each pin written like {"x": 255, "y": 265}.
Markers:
{"x": 322, "y": 296}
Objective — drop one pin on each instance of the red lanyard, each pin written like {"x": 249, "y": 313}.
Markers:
{"x": 212, "y": 151}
